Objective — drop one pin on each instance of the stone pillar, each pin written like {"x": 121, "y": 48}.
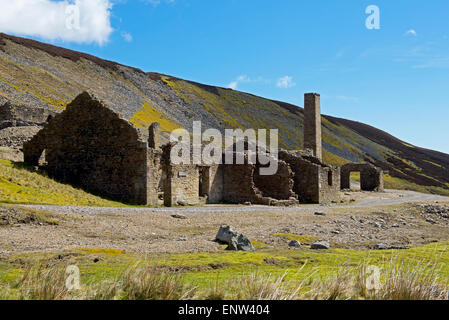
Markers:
{"x": 154, "y": 136}
{"x": 312, "y": 124}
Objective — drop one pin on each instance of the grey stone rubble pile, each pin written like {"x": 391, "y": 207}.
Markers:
{"x": 235, "y": 241}
{"x": 439, "y": 210}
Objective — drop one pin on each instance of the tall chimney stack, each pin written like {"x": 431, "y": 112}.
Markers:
{"x": 312, "y": 124}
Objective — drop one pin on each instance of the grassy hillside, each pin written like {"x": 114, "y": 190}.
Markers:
{"x": 18, "y": 184}
{"x": 41, "y": 75}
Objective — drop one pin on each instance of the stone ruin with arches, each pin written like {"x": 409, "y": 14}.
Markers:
{"x": 94, "y": 148}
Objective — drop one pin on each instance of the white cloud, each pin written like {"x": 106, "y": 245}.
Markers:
{"x": 411, "y": 32}
{"x": 127, "y": 36}
{"x": 285, "y": 82}
{"x": 80, "y": 21}
{"x": 234, "y": 84}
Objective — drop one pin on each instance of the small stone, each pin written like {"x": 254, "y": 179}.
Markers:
{"x": 247, "y": 203}
{"x": 320, "y": 245}
{"x": 381, "y": 246}
{"x": 395, "y": 226}
{"x": 182, "y": 239}
{"x": 294, "y": 244}
{"x": 320, "y": 213}
{"x": 96, "y": 260}
{"x": 335, "y": 232}
{"x": 179, "y": 216}
{"x": 399, "y": 247}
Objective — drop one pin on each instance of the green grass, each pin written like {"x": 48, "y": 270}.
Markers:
{"x": 20, "y": 185}
{"x": 202, "y": 269}
{"x": 401, "y": 184}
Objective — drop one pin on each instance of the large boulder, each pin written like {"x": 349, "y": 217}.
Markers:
{"x": 226, "y": 234}
{"x": 235, "y": 241}
{"x": 241, "y": 243}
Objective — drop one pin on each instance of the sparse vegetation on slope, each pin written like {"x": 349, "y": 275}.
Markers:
{"x": 19, "y": 184}
{"x": 10, "y": 216}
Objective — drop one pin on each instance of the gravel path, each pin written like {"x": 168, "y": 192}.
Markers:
{"x": 362, "y": 200}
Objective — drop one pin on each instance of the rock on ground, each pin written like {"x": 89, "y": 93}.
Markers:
{"x": 320, "y": 245}
{"x": 294, "y": 244}
{"x": 235, "y": 241}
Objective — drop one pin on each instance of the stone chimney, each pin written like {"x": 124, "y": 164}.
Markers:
{"x": 154, "y": 136}
{"x": 312, "y": 124}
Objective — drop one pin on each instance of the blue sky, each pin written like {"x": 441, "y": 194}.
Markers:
{"x": 395, "y": 78}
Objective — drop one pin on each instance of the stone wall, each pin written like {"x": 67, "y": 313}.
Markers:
{"x": 181, "y": 185}
{"x": 329, "y": 180}
{"x": 238, "y": 185}
{"x": 371, "y": 177}
{"x": 181, "y": 182}
{"x": 278, "y": 186}
{"x": 155, "y": 176}
{"x": 311, "y": 178}
{"x": 213, "y": 183}
{"x": 91, "y": 147}
{"x": 242, "y": 183}
{"x": 22, "y": 116}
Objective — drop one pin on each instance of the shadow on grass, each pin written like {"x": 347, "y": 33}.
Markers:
{"x": 41, "y": 171}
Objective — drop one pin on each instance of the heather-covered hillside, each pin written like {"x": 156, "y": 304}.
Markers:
{"x": 37, "y": 75}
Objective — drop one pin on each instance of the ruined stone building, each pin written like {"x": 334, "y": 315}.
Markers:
{"x": 92, "y": 147}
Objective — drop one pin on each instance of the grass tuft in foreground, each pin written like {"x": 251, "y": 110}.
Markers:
{"x": 394, "y": 281}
